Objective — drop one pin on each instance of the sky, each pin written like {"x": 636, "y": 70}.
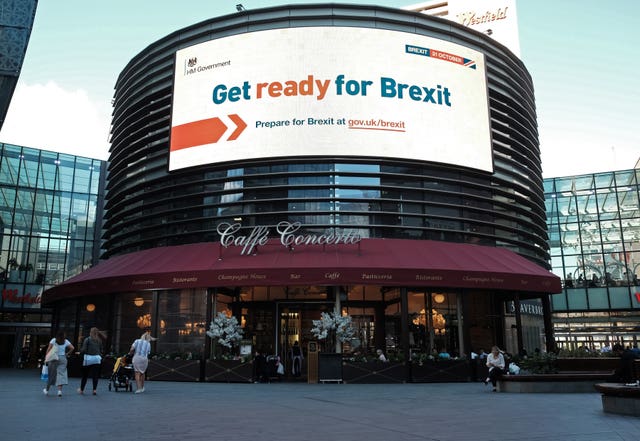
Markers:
{"x": 581, "y": 54}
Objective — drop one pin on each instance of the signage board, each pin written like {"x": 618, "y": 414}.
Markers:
{"x": 330, "y": 91}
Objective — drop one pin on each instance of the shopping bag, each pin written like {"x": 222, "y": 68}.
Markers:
{"x": 44, "y": 375}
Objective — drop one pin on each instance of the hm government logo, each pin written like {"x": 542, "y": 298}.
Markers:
{"x": 191, "y": 65}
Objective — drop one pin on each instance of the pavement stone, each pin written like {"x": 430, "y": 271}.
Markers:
{"x": 179, "y": 411}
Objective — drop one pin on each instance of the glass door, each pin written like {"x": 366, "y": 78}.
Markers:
{"x": 295, "y": 321}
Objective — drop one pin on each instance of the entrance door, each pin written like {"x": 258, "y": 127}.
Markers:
{"x": 295, "y": 321}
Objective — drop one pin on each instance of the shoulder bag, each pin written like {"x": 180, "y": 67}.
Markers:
{"x": 52, "y": 355}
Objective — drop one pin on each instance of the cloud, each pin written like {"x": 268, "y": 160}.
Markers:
{"x": 48, "y": 117}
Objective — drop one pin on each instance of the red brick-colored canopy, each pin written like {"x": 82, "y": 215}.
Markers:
{"x": 386, "y": 262}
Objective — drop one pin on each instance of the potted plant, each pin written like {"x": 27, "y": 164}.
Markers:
{"x": 225, "y": 331}
{"x": 333, "y": 329}
{"x": 226, "y": 365}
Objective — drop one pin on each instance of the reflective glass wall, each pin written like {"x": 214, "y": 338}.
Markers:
{"x": 49, "y": 206}
{"x": 594, "y": 230}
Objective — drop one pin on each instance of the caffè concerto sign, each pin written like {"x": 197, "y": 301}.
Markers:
{"x": 287, "y": 231}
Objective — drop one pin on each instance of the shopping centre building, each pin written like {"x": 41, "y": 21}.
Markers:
{"x": 391, "y": 172}
{"x": 594, "y": 229}
{"x": 282, "y": 162}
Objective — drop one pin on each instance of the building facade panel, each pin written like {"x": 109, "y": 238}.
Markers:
{"x": 151, "y": 209}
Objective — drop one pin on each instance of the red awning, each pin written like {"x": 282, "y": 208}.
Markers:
{"x": 386, "y": 262}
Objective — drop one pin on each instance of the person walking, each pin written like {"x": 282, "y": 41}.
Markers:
{"x": 496, "y": 364}
{"x": 57, "y": 351}
{"x": 91, "y": 351}
{"x": 141, "y": 348}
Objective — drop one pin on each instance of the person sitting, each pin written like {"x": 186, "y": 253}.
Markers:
{"x": 496, "y": 365}
{"x": 624, "y": 373}
{"x": 381, "y": 356}
{"x": 568, "y": 281}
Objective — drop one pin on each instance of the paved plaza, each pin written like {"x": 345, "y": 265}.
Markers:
{"x": 301, "y": 412}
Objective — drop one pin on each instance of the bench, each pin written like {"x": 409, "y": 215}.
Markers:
{"x": 563, "y": 382}
{"x": 619, "y": 398}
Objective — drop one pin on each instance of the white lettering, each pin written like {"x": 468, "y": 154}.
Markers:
{"x": 260, "y": 235}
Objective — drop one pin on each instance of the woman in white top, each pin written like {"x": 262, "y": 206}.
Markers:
{"x": 140, "y": 350}
{"x": 58, "y": 368}
{"x": 495, "y": 363}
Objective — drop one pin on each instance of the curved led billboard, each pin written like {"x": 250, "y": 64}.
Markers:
{"x": 330, "y": 91}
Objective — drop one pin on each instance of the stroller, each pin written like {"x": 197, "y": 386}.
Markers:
{"x": 122, "y": 374}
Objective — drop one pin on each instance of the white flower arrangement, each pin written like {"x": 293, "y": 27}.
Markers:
{"x": 333, "y": 325}
{"x": 225, "y": 330}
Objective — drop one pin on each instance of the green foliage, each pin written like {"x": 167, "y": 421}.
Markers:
{"x": 582, "y": 353}
{"x": 175, "y": 356}
{"x": 545, "y": 363}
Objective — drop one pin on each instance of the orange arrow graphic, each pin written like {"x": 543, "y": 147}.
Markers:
{"x": 206, "y": 131}
{"x": 241, "y": 125}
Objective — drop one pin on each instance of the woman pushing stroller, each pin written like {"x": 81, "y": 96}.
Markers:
{"x": 141, "y": 348}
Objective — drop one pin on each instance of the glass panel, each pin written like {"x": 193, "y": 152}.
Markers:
{"x": 577, "y": 299}
{"x": 620, "y": 297}
{"x": 182, "y": 316}
{"x": 559, "y": 302}
{"x": 133, "y": 313}
{"x": 598, "y": 298}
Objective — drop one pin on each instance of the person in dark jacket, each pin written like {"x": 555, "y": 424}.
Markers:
{"x": 624, "y": 373}
{"x": 91, "y": 351}
{"x": 296, "y": 359}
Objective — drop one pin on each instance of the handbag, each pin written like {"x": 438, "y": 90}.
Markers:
{"x": 52, "y": 355}
{"x": 280, "y": 369}
{"x": 44, "y": 374}
{"x": 91, "y": 360}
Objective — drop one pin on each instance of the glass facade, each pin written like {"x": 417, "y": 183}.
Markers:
{"x": 594, "y": 230}
{"x": 50, "y": 211}
{"x": 16, "y": 21}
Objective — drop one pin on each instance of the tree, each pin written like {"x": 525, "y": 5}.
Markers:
{"x": 225, "y": 330}
{"x": 333, "y": 327}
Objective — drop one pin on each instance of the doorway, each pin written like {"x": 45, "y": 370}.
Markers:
{"x": 294, "y": 324}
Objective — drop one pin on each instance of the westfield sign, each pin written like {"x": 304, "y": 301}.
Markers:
{"x": 259, "y": 235}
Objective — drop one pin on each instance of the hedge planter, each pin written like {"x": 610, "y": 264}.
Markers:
{"x": 592, "y": 364}
{"x": 329, "y": 367}
{"x": 173, "y": 370}
{"x": 373, "y": 372}
{"x": 229, "y": 371}
{"x": 441, "y": 371}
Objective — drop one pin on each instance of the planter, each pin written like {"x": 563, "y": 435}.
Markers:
{"x": 173, "y": 370}
{"x": 441, "y": 371}
{"x": 591, "y": 364}
{"x": 373, "y": 372}
{"x": 329, "y": 367}
{"x": 229, "y": 371}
